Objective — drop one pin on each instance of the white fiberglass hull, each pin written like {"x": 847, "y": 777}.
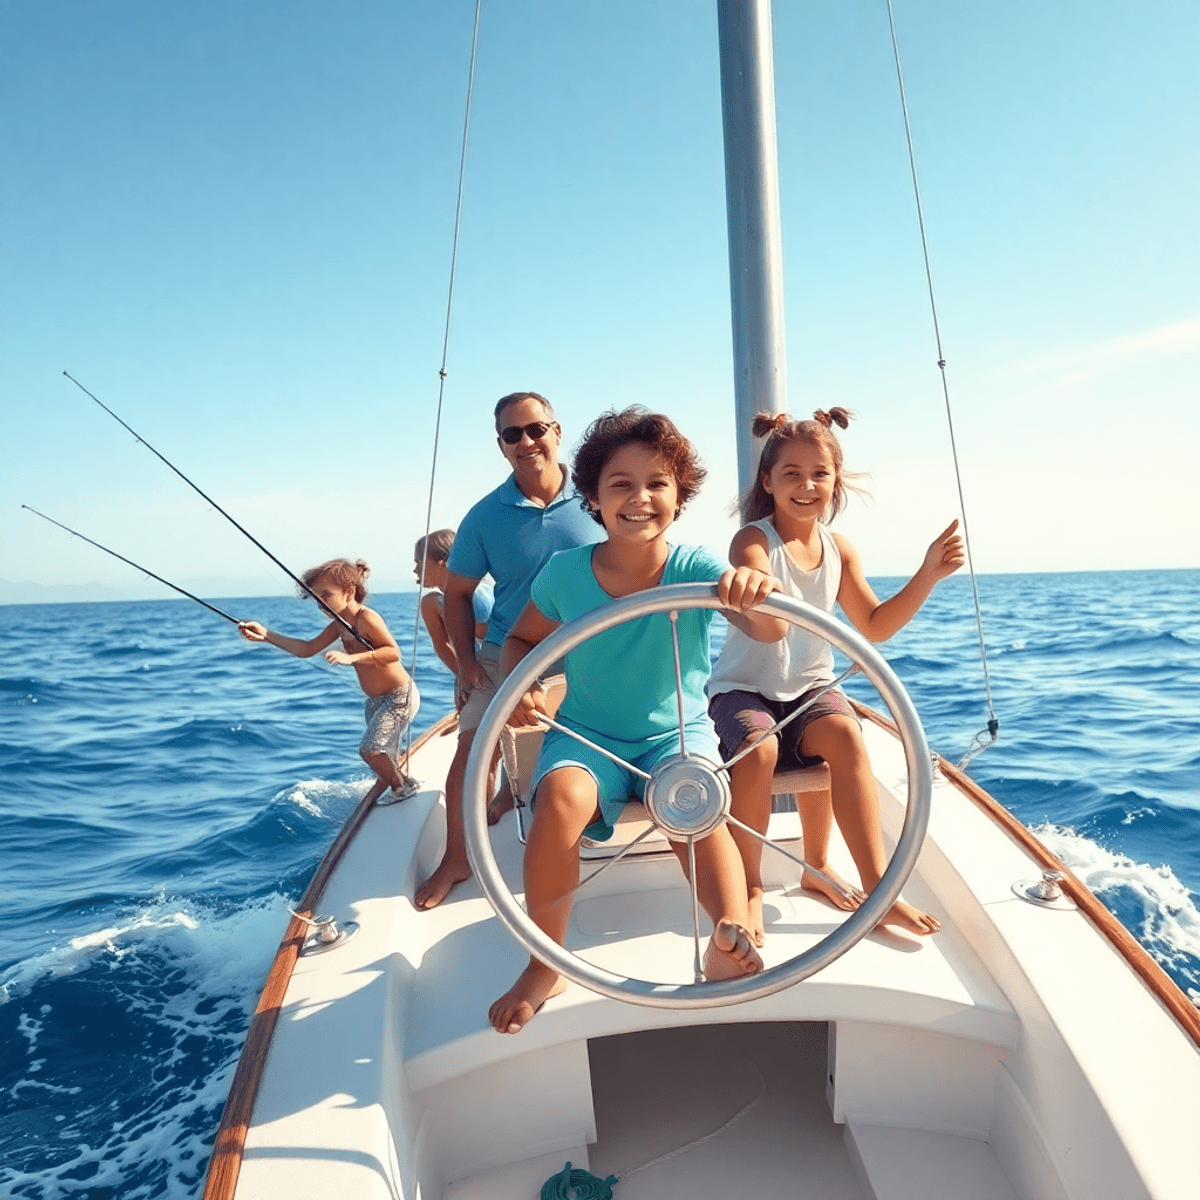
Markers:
{"x": 1015, "y": 1054}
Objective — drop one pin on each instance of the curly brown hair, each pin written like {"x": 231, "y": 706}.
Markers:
{"x": 612, "y": 430}
{"x": 342, "y": 572}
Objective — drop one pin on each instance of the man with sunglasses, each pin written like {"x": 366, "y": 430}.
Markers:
{"x": 510, "y": 534}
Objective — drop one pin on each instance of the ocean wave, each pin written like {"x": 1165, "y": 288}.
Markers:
{"x": 131, "y": 1112}
{"x": 1150, "y": 901}
{"x": 309, "y": 794}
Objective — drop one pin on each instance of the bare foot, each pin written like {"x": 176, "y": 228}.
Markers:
{"x": 730, "y": 952}
{"x": 758, "y": 929}
{"x": 535, "y": 985}
{"x": 904, "y": 916}
{"x": 848, "y": 899}
{"x": 435, "y": 889}
{"x": 501, "y": 803}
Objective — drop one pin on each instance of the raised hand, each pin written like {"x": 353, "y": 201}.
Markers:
{"x": 945, "y": 554}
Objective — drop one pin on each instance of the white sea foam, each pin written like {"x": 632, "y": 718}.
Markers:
{"x": 157, "y": 1149}
{"x": 308, "y": 793}
{"x": 78, "y": 952}
{"x": 1170, "y": 927}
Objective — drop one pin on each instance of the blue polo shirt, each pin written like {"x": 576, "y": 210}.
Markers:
{"x": 510, "y": 538}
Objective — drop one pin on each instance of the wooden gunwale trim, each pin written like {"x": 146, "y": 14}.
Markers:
{"x": 230, "y": 1143}
{"x": 1161, "y": 985}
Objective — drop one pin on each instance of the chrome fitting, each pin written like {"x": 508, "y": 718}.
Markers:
{"x": 1046, "y": 892}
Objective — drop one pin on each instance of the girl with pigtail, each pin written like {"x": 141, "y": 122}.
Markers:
{"x": 801, "y": 487}
{"x": 340, "y": 587}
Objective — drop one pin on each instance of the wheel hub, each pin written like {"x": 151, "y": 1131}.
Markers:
{"x": 687, "y": 797}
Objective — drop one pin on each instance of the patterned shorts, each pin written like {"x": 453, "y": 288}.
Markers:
{"x": 739, "y": 714}
{"x": 387, "y": 718}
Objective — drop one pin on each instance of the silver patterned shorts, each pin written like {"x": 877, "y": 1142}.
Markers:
{"x": 387, "y": 718}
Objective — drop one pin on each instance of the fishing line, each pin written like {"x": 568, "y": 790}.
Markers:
{"x": 144, "y": 570}
{"x": 437, "y": 424}
{"x": 137, "y": 566}
{"x": 985, "y": 737}
{"x": 295, "y": 579}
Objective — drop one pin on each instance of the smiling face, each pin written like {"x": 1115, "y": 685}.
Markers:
{"x": 801, "y": 481}
{"x": 529, "y": 457}
{"x": 637, "y": 496}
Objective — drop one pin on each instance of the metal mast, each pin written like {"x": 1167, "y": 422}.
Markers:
{"x": 752, "y": 207}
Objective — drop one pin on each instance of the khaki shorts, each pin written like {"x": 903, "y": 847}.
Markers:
{"x": 488, "y": 657}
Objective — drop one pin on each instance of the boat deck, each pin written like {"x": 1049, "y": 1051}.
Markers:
{"x": 935, "y": 1045}
{"x": 637, "y": 921}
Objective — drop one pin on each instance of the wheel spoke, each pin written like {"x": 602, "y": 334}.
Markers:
{"x": 616, "y": 858}
{"x": 545, "y": 720}
{"x": 674, "y": 615}
{"x": 766, "y": 841}
{"x": 790, "y": 717}
{"x": 696, "y": 971}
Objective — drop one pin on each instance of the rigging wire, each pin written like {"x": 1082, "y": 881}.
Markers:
{"x": 985, "y": 737}
{"x": 442, "y": 372}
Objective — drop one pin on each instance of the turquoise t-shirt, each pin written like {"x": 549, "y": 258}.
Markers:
{"x": 621, "y": 683}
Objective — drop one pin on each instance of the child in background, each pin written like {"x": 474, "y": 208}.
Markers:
{"x": 801, "y": 487}
{"x": 436, "y": 554}
{"x": 635, "y": 471}
{"x": 391, "y": 697}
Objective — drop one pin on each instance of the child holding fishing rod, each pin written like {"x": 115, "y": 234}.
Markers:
{"x": 339, "y": 587}
{"x": 801, "y": 486}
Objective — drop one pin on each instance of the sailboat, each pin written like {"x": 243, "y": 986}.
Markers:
{"x": 1031, "y": 1050}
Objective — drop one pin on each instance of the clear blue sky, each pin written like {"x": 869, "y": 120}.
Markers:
{"x": 232, "y": 222}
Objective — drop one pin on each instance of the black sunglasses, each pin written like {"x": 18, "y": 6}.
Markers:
{"x": 512, "y": 434}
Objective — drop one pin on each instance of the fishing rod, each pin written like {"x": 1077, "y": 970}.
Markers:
{"x": 75, "y": 533}
{"x": 295, "y": 578}
{"x": 182, "y": 591}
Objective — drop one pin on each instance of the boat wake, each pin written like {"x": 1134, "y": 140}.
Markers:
{"x": 1149, "y": 901}
{"x": 121, "y": 1044}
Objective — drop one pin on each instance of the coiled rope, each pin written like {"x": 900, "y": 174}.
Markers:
{"x": 442, "y": 372}
{"x": 987, "y": 736}
{"x": 577, "y": 1184}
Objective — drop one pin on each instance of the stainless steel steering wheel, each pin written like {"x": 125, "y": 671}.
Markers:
{"x": 687, "y": 797}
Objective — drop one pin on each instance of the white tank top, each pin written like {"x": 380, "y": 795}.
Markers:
{"x": 788, "y": 668}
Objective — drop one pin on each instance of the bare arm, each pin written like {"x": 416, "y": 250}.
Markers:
{"x": 877, "y": 620}
{"x": 748, "y": 583}
{"x": 252, "y": 631}
{"x": 374, "y": 627}
{"x": 532, "y": 627}
{"x": 431, "y": 614}
{"x": 459, "y": 615}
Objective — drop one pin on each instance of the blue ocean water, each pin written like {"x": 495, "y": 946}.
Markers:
{"x": 168, "y": 789}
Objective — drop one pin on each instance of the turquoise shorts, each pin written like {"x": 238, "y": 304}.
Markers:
{"x": 615, "y": 785}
